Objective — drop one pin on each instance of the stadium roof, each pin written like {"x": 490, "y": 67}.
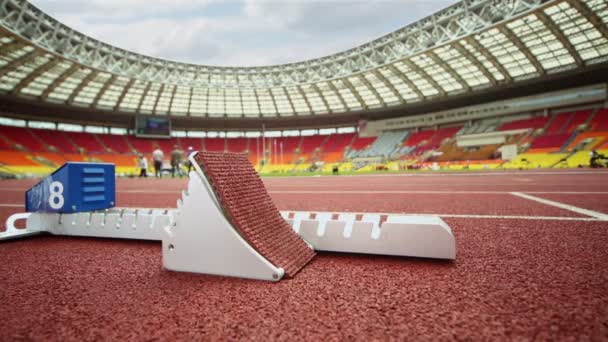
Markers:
{"x": 462, "y": 50}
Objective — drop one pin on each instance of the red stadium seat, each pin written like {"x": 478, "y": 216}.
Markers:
{"x": 534, "y": 123}
{"x": 88, "y": 141}
{"x": 215, "y": 144}
{"x": 24, "y": 137}
{"x": 117, "y": 143}
{"x": 56, "y": 138}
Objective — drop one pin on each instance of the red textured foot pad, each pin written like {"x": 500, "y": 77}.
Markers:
{"x": 249, "y": 208}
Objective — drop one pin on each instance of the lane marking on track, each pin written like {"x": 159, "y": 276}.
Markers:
{"x": 595, "y": 214}
{"x": 363, "y": 191}
{"x": 458, "y": 192}
{"x": 466, "y": 216}
{"x": 471, "y": 174}
{"x": 511, "y": 217}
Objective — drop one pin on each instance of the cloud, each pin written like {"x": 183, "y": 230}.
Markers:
{"x": 238, "y": 33}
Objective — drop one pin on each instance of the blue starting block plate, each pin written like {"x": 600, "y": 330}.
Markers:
{"x": 74, "y": 187}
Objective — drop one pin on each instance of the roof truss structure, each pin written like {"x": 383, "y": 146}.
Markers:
{"x": 471, "y": 45}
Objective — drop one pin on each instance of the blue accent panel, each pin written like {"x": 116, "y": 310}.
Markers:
{"x": 93, "y": 180}
{"x": 94, "y": 198}
{"x": 88, "y": 189}
{"x": 93, "y": 170}
{"x": 74, "y": 187}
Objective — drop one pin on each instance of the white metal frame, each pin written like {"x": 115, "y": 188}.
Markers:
{"x": 197, "y": 236}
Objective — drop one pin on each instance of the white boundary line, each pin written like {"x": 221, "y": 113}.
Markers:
{"x": 595, "y": 214}
{"x": 456, "y": 192}
{"x": 363, "y": 191}
{"x": 454, "y": 174}
{"x": 510, "y": 217}
{"x": 464, "y": 216}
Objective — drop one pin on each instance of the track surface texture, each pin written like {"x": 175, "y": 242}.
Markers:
{"x": 525, "y": 269}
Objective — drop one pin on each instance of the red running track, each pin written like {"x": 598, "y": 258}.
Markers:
{"x": 514, "y": 278}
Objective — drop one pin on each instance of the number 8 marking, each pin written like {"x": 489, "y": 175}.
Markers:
{"x": 56, "y": 199}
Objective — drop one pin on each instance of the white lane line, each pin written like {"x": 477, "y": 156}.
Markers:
{"x": 458, "y": 192}
{"x": 511, "y": 217}
{"x": 569, "y": 192}
{"x": 595, "y": 214}
{"x": 455, "y": 174}
{"x": 467, "y": 216}
{"x": 363, "y": 191}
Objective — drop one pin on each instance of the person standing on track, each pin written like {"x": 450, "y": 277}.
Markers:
{"x": 176, "y": 160}
{"x": 190, "y": 150}
{"x": 157, "y": 157}
{"x": 143, "y": 166}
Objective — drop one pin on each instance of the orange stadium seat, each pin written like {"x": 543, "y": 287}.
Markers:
{"x": 55, "y": 158}
{"x": 595, "y": 139}
{"x": 120, "y": 160}
{"x": 333, "y": 149}
{"x": 310, "y": 144}
{"x": 290, "y": 144}
{"x": 17, "y": 158}
{"x": 253, "y": 145}
{"x": 75, "y": 157}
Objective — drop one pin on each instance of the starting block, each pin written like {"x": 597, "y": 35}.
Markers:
{"x": 227, "y": 225}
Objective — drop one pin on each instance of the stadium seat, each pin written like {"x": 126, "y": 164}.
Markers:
{"x": 215, "y": 144}
{"x": 237, "y": 145}
{"x": 550, "y": 141}
{"x": 141, "y": 145}
{"x": 335, "y": 145}
{"x": 533, "y": 123}
{"x": 117, "y": 143}
{"x": 58, "y": 139}
{"x": 361, "y": 143}
{"x": 600, "y": 120}
{"x": 24, "y": 137}
{"x": 196, "y": 143}
{"x": 89, "y": 142}
{"x": 588, "y": 140}
{"x": 17, "y": 158}
{"x": 418, "y": 137}
{"x": 167, "y": 145}
{"x": 309, "y": 145}
{"x": 579, "y": 118}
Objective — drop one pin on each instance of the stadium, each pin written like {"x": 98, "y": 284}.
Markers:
{"x": 487, "y": 118}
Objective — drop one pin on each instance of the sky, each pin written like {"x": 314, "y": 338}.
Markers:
{"x": 238, "y": 32}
